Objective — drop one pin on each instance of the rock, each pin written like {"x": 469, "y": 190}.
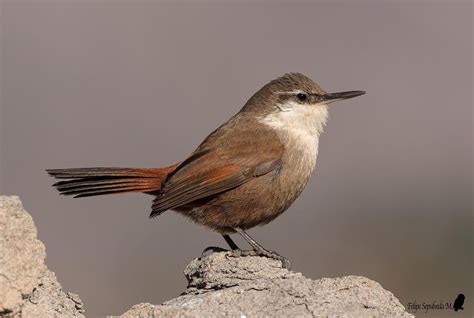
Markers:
{"x": 219, "y": 284}
{"x": 27, "y": 287}
{"x": 223, "y": 285}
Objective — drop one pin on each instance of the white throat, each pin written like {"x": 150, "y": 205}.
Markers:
{"x": 299, "y": 127}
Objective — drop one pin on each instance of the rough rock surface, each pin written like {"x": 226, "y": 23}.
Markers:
{"x": 223, "y": 285}
{"x": 27, "y": 287}
{"x": 219, "y": 284}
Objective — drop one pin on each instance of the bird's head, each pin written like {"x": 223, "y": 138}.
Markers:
{"x": 294, "y": 100}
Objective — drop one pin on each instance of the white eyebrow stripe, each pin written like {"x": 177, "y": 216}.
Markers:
{"x": 296, "y": 91}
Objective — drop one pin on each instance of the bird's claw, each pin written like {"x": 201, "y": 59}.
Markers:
{"x": 212, "y": 249}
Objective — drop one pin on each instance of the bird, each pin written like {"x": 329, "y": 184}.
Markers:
{"x": 244, "y": 174}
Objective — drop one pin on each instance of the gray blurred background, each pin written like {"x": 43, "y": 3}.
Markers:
{"x": 141, "y": 83}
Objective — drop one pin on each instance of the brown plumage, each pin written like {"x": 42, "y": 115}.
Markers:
{"x": 245, "y": 173}
{"x": 86, "y": 182}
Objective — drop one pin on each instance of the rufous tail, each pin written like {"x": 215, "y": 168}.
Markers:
{"x": 86, "y": 182}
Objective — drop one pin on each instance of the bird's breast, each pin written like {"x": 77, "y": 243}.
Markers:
{"x": 298, "y": 164}
{"x": 298, "y": 131}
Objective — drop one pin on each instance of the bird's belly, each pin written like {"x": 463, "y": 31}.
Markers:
{"x": 256, "y": 202}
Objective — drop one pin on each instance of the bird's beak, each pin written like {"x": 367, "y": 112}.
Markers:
{"x": 333, "y": 97}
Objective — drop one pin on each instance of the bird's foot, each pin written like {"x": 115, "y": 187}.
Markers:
{"x": 212, "y": 249}
{"x": 265, "y": 253}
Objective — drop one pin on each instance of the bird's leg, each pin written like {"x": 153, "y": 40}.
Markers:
{"x": 215, "y": 249}
{"x": 231, "y": 243}
{"x": 259, "y": 250}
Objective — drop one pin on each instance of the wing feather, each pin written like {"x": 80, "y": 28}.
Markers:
{"x": 208, "y": 175}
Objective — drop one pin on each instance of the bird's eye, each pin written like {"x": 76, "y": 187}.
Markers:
{"x": 301, "y": 97}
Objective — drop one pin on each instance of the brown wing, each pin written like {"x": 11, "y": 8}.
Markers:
{"x": 233, "y": 154}
{"x": 207, "y": 175}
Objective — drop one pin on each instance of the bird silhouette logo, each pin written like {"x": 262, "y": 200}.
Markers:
{"x": 459, "y": 302}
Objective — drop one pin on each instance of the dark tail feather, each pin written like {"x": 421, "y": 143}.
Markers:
{"x": 85, "y": 182}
